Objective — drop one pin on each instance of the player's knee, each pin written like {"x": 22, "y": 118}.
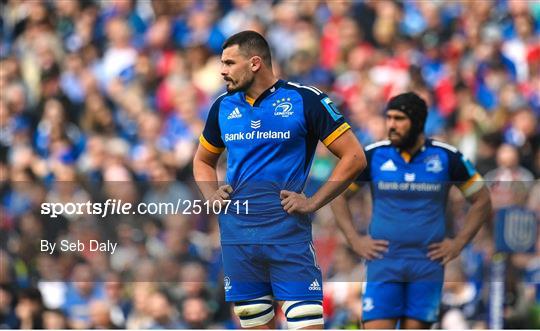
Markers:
{"x": 301, "y": 314}
{"x": 254, "y": 312}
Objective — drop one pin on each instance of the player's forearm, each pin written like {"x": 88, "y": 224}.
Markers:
{"x": 479, "y": 213}
{"x": 206, "y": 178}
{"x": 346, "y": 170}
{"x": 343, "y": 217}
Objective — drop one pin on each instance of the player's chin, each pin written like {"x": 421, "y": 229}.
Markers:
{"x": 231, "y": 87}
{"x": 395, "y": 140}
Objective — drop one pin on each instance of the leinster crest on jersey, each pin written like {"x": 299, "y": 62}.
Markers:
{"x": 283, "y": 107}
{"x": 434, "y": 164}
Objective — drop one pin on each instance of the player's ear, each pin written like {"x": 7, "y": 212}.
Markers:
{"x": 255, "y": 63}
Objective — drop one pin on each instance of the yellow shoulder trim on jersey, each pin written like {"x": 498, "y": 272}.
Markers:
{"x": 209, "y": 146}
{"x": 249, "y": 100}
{"x": 337, "y": 132}
{"x": 473, "y": 185}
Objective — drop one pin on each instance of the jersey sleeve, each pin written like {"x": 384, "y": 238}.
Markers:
{"x": 463, "y": 174}
{"x": 323, "y": 117}
{"x": 211, "y": 135}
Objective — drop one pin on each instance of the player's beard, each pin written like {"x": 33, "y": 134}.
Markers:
{"x": 244, "y": 86}
{"x": 406, "y": 141}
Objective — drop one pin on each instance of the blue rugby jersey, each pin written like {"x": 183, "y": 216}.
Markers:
{"x": 270, "y": 142}
{"x": 410, "y": 193}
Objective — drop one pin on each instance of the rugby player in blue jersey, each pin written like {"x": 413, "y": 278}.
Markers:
{"x": 406, "y": 247}
{"x": 270, "y": 129}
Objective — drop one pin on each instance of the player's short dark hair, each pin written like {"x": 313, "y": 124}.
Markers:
{"x": 251, "y": 43}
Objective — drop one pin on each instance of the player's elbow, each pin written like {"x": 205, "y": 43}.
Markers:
{"x": 200, "y": 167}
{"x": 362, "y": 161}
{"x": 358, "y": 163}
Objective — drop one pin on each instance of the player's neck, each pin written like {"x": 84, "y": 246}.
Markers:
{"x": 416, "y": 147}
{"x": 261, "y": 84}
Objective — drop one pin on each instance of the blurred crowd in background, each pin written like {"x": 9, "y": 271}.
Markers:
{"x": 107, "y": 99}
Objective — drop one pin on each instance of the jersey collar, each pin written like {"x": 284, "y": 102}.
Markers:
{"x": 266, "y": 93}
{"x": 408, "y": 157}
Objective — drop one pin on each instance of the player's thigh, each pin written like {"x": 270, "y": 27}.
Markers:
{"x": 383, "y": 301}
{"x": 245, "y": 273}
{"x": 424, "y": 291}
{"x": 297, "y": 281}
{"x": 384, "y": 294}
{"x": 294, "y": 272}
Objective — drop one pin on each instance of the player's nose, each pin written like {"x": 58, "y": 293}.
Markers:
{"x": 390, "y": 123}
{"x": 224, "y": 71}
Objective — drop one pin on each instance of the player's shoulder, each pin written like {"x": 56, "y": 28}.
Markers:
{"x": 442, "y": 146}
{"x": 381, "y": 147}
{"x": 312, "y": 98}
{"x": 224, "y": 96}
{"x": 218, "y": 101}
{"x": 306, "y": 91}
{"x": 377, "y": 145}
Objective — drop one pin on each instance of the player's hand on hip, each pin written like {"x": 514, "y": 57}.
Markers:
{"x": 446, "y": 250}
{"x": 222, "y": 193}
{"x": 369, "y": 248}
{"x": 293, "y": 202}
